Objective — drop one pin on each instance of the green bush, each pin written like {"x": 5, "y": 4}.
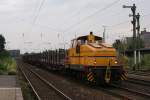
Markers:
{"x": 144, "y": 65}
{"x": 7, "y": 64}
{"x": 2, "y": 72}
{"x": 146, "y": 61}
{"x": 4, "y": 54}
{"x": 12, "y": 72}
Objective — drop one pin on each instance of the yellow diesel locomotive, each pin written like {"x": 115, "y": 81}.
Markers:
{"x": 94, "y": 60}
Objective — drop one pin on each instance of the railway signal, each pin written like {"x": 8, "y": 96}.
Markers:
{"x": 133, "y": 9}
{"x": 138, "y": 38}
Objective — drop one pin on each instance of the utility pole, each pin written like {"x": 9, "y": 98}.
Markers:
{"x": 133, "y": 9}
{"x": 138, "y": 38}
{"x": 104, "y": 34}
{"x": 138, "y": 24}
{"x": 23, "y": 42}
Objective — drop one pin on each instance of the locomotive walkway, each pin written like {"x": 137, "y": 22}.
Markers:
{"x": 9, "y": 89}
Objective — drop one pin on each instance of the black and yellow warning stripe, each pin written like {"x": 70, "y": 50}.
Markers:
{"x": 124, "y": 76}
{"x": 90, "y": 76}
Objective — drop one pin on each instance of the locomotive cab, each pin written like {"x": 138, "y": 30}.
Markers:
{"x": 84, "y": 40}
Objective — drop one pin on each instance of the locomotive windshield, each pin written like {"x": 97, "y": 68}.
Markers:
{"x": 89, "y": 38}
{"x": 86, "y": 39}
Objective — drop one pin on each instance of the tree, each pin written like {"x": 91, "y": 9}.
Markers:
{"x": 120, "y": 46}
{"x": 116, "y": 44}
{"x": 140, "y": 43}
{"x": 2, "y": 43}
{"x": 130, "y": 43}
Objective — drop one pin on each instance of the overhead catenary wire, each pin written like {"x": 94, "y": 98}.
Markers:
{"x": 120, "y": 23}
{"x": 51, "y": 28}
{"x": 126, "y": 21}
{"x": 89, "y": 16}
{"x": 36, "y": 16}
{"x": 148, "y": 26}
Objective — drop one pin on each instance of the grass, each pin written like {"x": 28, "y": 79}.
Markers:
{"x": 7, "y": 64}
{"x": 27, "y": 91}
{"x": 144, "y": 65}
{"x": 146, "y": 62}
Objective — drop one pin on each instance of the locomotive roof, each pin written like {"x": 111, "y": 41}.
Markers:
{"x": 86, "y": 37}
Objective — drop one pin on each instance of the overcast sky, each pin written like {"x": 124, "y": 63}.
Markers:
{"x": 35, "y": 25}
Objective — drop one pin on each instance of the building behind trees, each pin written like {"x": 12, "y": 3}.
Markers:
{"x": 145, "y": 36}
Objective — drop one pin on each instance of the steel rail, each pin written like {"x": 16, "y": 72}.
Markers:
{"x": 65, "y": 97}
{"x": 38, "y": 97}
{"x": 111, "y": 92}
{"x": 139, "y": 81}
{"x": 52, "y": 86}
{"x": 132, "y": 91}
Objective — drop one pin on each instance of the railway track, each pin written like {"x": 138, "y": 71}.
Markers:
{"x": 139, "y": 81}
{"x": 131, "y": 89}
{"x": 142, "y": 73}
{"x": 124, "y": 93}
{"x": 43, "y": 89}
{"x": 115, "y": 93}
{"x": 134, "y": 88}
{"x": 75, "y": 96}
{"x": 131, "y": 93}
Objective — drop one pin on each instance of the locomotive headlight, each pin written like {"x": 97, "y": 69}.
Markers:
{"x": 94, "y": 61}
{"x": 116, "y": 62}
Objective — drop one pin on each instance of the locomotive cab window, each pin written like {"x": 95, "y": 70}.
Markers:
{"x": 73, "y": 43}
{"x": 78, "y": 46}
